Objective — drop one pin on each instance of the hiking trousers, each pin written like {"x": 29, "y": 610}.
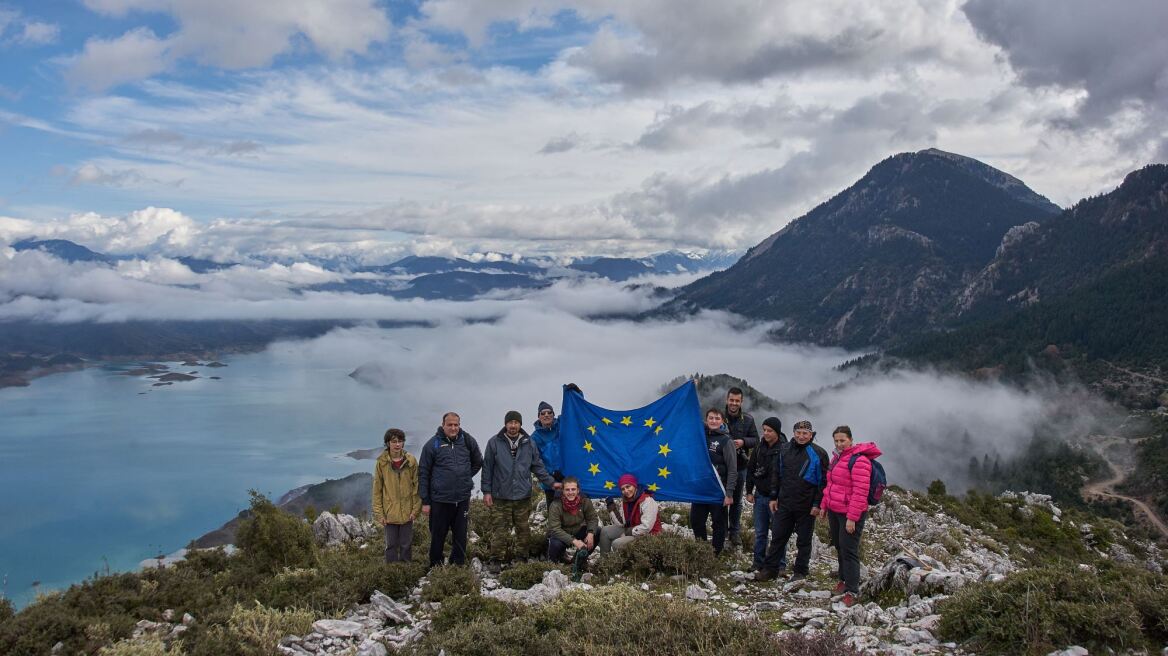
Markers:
{"x": 507, "y": 515}
{"x": 399, "y": 540}
{"x": 784, "y": 522}
{"x": 449, "y": 518}
{"x": 699, "y": 512}
{"x": 847, "y": 549}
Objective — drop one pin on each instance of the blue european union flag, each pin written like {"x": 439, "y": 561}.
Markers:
{"x": 663, "y": 444}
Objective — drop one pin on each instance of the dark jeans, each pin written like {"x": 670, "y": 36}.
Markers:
{"x": 556, "y": 547}
{"x": 784, "y": 522}
{"x": 399, "y": 540}
{"x": 847, "y": 548}
{"x": 762, "y": 533}
{"x": 699, "y": 512}
{"x": 736, "y": 507}
{"x": 444, "y": 518}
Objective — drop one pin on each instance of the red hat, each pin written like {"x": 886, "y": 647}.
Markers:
{"x": 627, "y": 479}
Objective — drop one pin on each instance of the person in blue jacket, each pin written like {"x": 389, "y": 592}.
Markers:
{"x": 546, "y": 435}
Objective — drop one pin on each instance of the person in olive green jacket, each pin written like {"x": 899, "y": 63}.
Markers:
{"x": 395, "y": 496}
{"x": 572, "y": 521}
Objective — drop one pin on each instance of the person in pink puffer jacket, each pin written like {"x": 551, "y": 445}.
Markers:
{"x": 846, "y": 501}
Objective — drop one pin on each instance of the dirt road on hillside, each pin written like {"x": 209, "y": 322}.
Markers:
{"x": 1106, "y": 488}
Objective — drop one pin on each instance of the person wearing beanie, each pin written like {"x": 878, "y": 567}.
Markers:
{"x": 396, "y": 503}
{"x": 762, "y": 462}
{"x": 744, "y": 433}
{"x": 546, "y": 435}
{"x": 509, "y": 461}
{"x": 635, "y": 515}
{"x": 797, "y": 480}
{"x": 720, "y": 448}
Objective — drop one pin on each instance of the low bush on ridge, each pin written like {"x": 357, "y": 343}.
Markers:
{"x": 1039, "y": 610}
{"x": 666, "y": 553}
{"x": 449, "y": 581}
{"x": 525, "y": 575}
{"x": 616, "y": 620}
{"x": 102, "y": 611}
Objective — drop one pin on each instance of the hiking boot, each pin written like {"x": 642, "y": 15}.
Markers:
{"x": 736, "y": 538}
{"x": 764, "y": 575}
{"x": 797, "y": 577}
{"x": 849, "y": 600}
{"x": 839, "y": 588}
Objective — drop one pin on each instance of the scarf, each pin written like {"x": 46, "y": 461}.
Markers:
{"x": 571, "y": 507}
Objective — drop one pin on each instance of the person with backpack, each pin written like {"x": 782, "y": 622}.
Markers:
{"x": 720, "y": 448}
{"x": 763, "y": 460}
{"x": 635, "y": 515}
{"x": 396, "y": 503}
{"x": 509, "y": 462}
{"x": 572, "y": 521}
{"x": 446, "y": 473}
{"x": 797, "y": 481}
{"x": 854, "y": 481}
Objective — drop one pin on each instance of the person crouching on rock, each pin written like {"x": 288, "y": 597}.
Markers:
{"x": 725, "y": 461}
{"x": 846, "y": 503}
{"x": 509, "y": 461}
{"x": 396, "y": 503}
{"x": 797, "y": 480}
{"x": 572, "y": 520}
{"x": 636, "y": 515}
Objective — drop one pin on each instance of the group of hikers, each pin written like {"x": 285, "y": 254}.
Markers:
{"x": 790, "y": 482}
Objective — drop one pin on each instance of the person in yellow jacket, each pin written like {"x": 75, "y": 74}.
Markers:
{"x": 395, "y": 496}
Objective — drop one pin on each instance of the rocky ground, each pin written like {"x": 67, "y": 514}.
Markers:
{"x": 914, "y": 558}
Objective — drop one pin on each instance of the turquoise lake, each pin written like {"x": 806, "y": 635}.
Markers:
{"x": 97, "y": 475}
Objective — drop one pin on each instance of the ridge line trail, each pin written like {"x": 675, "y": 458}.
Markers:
{"x": 1134, "y": 373}
{"x": 1106, "y": 488}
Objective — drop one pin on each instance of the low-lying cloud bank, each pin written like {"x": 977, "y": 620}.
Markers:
{"x": 509, "y": 351}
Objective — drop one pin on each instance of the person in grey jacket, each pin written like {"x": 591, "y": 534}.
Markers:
{"x": 446, "y": 473}
{"x": 510, "y": 460}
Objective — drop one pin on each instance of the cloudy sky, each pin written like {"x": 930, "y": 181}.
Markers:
{"x": 219, "y": 127}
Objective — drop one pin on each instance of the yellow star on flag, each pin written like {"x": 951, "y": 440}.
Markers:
{"x": 654, "y": 487}
{"x": 650, "y": 422}
{"x": 606, "y": 420}
{"x": 608, "y": 485}
{"x": 592, "y": 429}
{"x": 664, "y": 449}
{"x": 595, "y": 469}
{"x": 587, "y": 446}
{"x": 663, "y": 472}
{"x": 627, "y": 421}
{"x": 658, "y": 430}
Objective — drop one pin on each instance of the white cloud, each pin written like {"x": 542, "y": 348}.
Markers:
{"x": 225, "y": 34}
{"x": 20, "y": 30}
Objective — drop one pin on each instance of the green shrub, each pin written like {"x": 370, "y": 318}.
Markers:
{"x": 665, "y": 553}
{"x": 6, "y": 610}
{"x": 343, "y": 576}
{"x": 457, "y": 611}
{"x": 152, "y": 646}
{"x": 606, "y": 621}
{"x": 449, "y": 581}
{"x": 271, "y": 539}
{"x": 525, "y": 575}
{"x": 794, "y": 643}
{"x": 937, "y": 489}
{"x": 1042, "y": 609}
{"x": 258, "y": 629}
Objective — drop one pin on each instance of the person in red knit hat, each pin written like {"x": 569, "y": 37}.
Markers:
{"x": 635, "y": 515}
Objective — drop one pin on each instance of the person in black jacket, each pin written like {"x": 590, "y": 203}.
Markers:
{"x": 745, "y": 436}
{"x": 763, "y": 459}
{"x": 721, "y": 452}
{"x": 449, "y": 463}
{"x": 799, "y": 479}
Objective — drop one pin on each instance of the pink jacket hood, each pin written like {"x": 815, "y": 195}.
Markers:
{"x": 847, "y": 489}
